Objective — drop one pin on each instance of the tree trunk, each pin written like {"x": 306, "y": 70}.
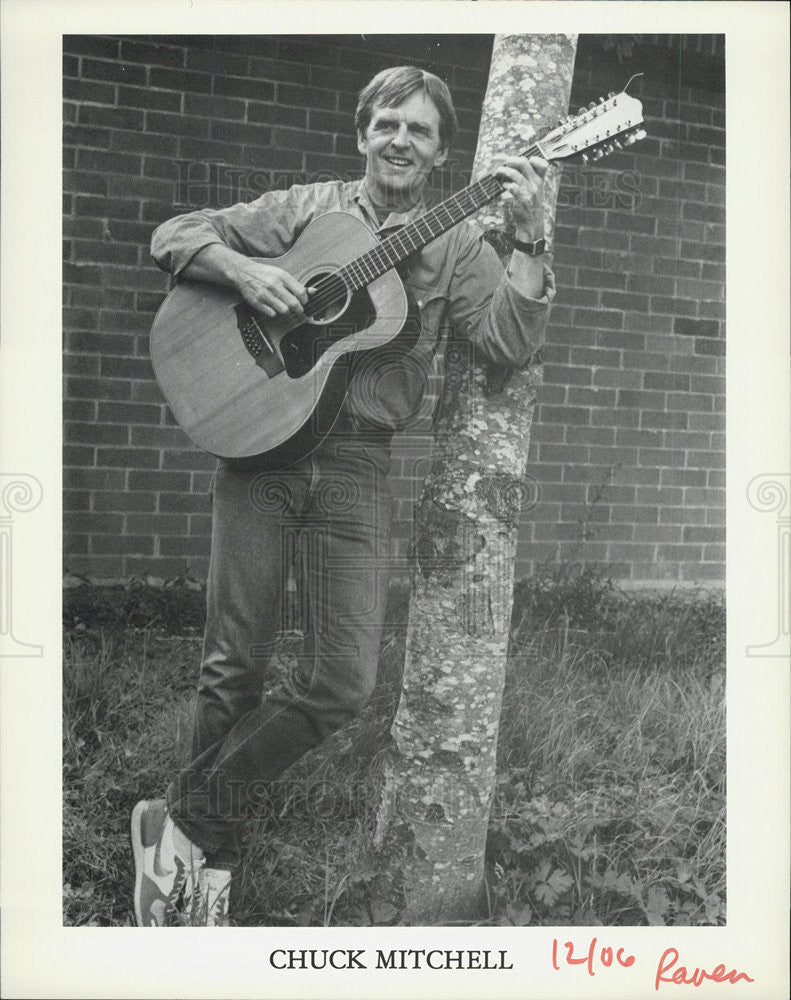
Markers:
{"x": 439, "y": 778}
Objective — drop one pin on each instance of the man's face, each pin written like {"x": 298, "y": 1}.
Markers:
{"x": 401, "y": 147}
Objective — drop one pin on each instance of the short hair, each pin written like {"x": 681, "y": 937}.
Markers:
{"x": 392, "y": 86}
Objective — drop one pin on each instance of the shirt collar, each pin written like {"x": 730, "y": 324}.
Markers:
{"x": 395, "y": 219}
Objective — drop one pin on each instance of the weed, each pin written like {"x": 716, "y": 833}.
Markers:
{"x": 610, "y": 798}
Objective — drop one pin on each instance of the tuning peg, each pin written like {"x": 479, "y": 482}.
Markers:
{"x": 611, "y": 95}
{"x": 617, "y": 143}
{"x": 582, "y": 111}
{"x": 597, "y": 154}
{"x": 640, "y": 134}
{"x": 629, "y": 139}
{"x": 608, "y": 148}
{"x": 585, "y": 158}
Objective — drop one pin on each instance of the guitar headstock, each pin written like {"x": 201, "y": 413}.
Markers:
{"x": 596, "y": 131}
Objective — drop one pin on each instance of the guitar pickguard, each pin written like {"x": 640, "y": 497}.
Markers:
{"x": 299, "y": 349}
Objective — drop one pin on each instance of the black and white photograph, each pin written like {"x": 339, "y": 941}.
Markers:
{"x": 393, "y": 613}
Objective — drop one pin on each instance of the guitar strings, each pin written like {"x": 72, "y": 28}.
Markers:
{"x": 333, "y": 288}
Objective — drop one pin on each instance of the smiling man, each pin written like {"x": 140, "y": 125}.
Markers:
{"x": 336, "y": 500}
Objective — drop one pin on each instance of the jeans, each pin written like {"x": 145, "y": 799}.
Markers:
{"x": 334, "y": 509}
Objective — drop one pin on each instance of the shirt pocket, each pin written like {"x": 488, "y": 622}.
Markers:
{"x": 432, "y": 305}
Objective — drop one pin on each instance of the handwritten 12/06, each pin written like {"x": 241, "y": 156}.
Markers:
{"x": 668, "y": 970}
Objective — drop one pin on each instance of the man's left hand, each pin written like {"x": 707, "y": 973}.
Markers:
{"x": 523, "y": 179}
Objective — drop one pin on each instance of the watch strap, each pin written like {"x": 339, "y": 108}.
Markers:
{"x": 533, "y": 249}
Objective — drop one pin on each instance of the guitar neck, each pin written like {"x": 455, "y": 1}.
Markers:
{"x": 415, "y": 235}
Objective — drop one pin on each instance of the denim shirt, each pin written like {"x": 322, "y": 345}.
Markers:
{"x": 457, "y": 282}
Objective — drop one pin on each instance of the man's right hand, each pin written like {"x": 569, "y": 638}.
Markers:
{"x": 265, "y": 287}
{"x": 269, "y": 289}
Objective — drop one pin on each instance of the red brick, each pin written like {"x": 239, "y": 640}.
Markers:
{"x": 95, "y": 433}
{"x": 620, "y": 339}
{"x": 124, "y": 501}
{"x": 704, "y": 534}
{"x": 634, "y": 514}
{"x": 710, "y": 498}
{"x": 159, "y": 480}
{"x": 76, "y": 500}
{"x": 624, "y": 301}
{"x": 682, "y": 515}
{"x": 147, "y": 98}
{"x": 710, "y": 347}
{"x": 158, "y": 55}
{"x": 683, "y": 477}
{"x": 596, "y": 397}
{"x": 80, "y": 364}
{"x": 708, "y": 572}
{"x": 616, "y": 378}
{"x": 93, "y": 523}
{"x": 127, "y": 458}
{"x": 122, "y": 544}
{"x": 706, "y": 421}
{"x": 662, "y": 496}
{"x": 184, "y": 502}
{"x": 675, "y": 267}
{"x": 255, "y": 90}
{"x": 75, "y": 545}
{"x": 189, "y": 458}
{"x": 83, "y": 91}
{"x": 79, "y": 409}
{"x": 606, "y": 417}
{"x": 156, "y": 524}
{"x": 649, "y": 323}
{"x": 114, "y": 71}
{"x": 567, "y": 374}
{"x": 94, "y": 479}
{"x": 98, "y": 252}
{"x": 183, "y": 546}
{"x": 689, "y": 401}
{"x": 82, "y": 455}
{"x": 134, "y": 413}
{"x": 666, "y": 380}
{"x": 91, "y": 45}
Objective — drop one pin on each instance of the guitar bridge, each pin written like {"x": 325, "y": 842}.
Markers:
{"x": 258, "y": 345}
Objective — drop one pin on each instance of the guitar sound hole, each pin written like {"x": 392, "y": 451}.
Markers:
{"x": 330, "y": 299}
{"x": 302, "y": 347}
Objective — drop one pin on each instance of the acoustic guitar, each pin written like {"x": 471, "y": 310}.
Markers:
{"x": 245, "y": 386}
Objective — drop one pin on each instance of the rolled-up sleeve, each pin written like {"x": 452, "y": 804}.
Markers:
{"x": 506, "y": 326}
{"x": 266, "y": 227}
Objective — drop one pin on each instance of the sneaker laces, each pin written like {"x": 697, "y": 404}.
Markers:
{"x": 207, "y": 906}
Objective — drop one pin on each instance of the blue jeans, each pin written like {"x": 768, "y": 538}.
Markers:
{"x": 334, "y": 508}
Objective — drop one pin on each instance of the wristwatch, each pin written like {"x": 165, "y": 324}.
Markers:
{"x": 534, "y": 249}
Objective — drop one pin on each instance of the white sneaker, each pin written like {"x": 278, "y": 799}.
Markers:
{"x": 161, "y": 871}
{"x": 207, "y": 906}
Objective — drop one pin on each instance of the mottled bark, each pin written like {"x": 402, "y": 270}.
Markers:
{"x": 439, "y": 778}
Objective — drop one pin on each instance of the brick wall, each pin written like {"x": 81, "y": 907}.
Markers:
{"x": 627, "y": 443}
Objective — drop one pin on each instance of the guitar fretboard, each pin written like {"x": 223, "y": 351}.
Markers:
{"x": 415, "y": 235}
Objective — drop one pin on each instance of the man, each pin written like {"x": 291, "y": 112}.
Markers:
{"x": 405, "y": 124}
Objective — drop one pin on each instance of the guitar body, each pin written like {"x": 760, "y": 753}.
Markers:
{"x": 244, "y": 386}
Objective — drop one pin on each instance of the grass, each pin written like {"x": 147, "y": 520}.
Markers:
{"x": 610, "y": 799}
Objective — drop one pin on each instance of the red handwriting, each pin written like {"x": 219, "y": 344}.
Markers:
{"x": 605, "y": 957}
{"x": 683, "y": 977}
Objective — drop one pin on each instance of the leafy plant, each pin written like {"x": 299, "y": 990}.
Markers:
{"x": 609, "y": 806}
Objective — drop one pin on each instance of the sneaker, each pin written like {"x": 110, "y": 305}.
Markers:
{"x": 207, "y": 905}
{"x": 161, "y": 871}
